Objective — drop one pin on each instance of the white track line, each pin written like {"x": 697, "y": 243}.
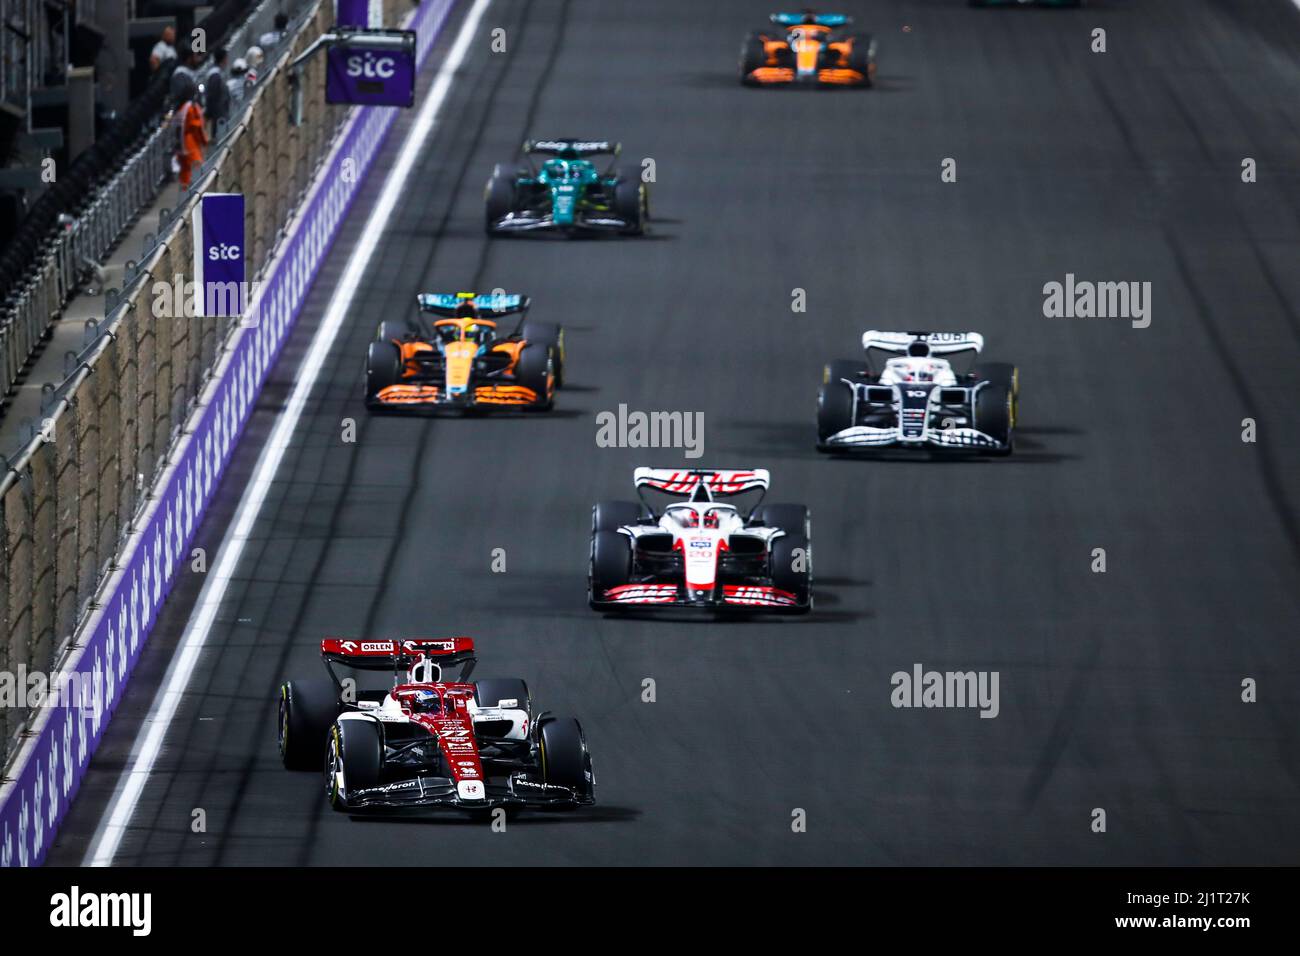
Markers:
{"x": 117, "y": 818}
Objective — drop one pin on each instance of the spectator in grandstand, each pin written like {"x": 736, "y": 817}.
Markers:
{"x": 164, "y": 49}
{"x": 185, "y": 75}
{"x": 272, "y": 37}
{"x": 235, "y": 83}
{"x": 216, "y": 97}
{"x": 255, "y": 58}
{"x": 191, "y": 137}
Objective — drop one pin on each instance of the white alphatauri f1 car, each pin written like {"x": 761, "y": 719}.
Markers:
{"x": 919, "y": 390}
{"x": 700, "y": 552}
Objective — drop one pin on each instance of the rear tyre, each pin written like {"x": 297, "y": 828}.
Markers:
{"x": 536, "y": 370}
{"x": 354, "y": 761}
{"x": 393, "y": 329}
{"x": 499, "y": 195}
{"x": 491, "y": 691}
{"x": 306, "y": 710}
{"x": 995, "y": 416}
{"x": 612, "y": 515}
{"x": 792, "y": 519}
{"x": 565, "y": 759}
{"x": 792, "y": 569}
{"x": 753, "y": 54}
{"x": 550, "y": 334}
{"x": 611, "y": 564}
{"x": 383, "y": 367}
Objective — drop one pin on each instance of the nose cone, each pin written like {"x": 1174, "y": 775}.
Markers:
{"x": 459, "y": 357}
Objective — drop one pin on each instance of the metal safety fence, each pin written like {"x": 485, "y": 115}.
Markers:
{"x": 69, "y": 494}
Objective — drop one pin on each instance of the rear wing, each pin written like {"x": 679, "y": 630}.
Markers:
{"x": 701, "y": 484}
{"x": 941, "y": 343}
{"x": 572, "y": 148}
{"x": 446, "y": 303}
{"x": 396, "y": 654}
{"x": 820, "y": 19}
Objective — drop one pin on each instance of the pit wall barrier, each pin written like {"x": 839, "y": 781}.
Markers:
{"x": 58, "y": 740}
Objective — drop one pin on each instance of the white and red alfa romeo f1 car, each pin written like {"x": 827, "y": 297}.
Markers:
{"x": 700, "y": 551}
{"x": 416, "y": 740}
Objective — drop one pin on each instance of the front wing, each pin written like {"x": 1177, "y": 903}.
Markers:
{"x": 866, "y": 436}
{"x": 737, "y": 596}
{"x": 789, "y": 76}
{"x": 427, "y": 792}
{"x": 518, "y": 222}
{"x": 412, "y": 397}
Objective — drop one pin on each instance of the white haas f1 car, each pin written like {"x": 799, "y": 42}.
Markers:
{"x": 919, "y": 396}
{"x": 423, "y": 741}
{"x": 700, "y": 552}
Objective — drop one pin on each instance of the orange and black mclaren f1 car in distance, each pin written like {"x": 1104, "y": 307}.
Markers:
{"x": 453, "y": 355}
{"x": 808, "y": 49}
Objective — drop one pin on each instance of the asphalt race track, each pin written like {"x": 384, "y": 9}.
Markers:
{"x": 1118, "y": 690}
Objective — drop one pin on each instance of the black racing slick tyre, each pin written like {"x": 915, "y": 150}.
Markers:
{"x": 393, "y": 330}
{"x": 792, "y": 519}
{"x": 383, "y": 367}
{"x": 995, "y": 416}
{"x": 999, "y": 373}
{"x": 306, "y": 710}
{"x": 792, "y": 569}
{"x": 861, "y": 57}
{"x": 611, "y": 563}
{"x": 536, "y": 370}
{"x": 354, "y": 761}
{"x": 612, "y": 515}
{"x": 565, "y": 759}
{"x": 499, "y": 195}
{"x": 550, "y": 334}
{"x": 753, "y": 54}
{"x": 631, "y": 201}
{"x": 509, "y": 692}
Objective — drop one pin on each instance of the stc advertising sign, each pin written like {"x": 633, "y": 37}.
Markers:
{"x": 370, "y": 77}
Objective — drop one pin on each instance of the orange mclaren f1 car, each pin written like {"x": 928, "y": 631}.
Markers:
{"x": 452, "y": 356}
{"x": 808, "y": 48}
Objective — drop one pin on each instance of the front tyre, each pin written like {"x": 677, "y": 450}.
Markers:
{"x": 565, "y": 760}
{"x": 631, "y": 202}
{"x": 354, "y": 760}
{"x": 536, "y": 371}
{"x": 792, "y": 569}
{"x": 499, "y": 196}
{"x": 611, "y": 564}
{"x": 383, "y": 368}
{"x": 995, "y": 416}
{"x": 550, "y": 334}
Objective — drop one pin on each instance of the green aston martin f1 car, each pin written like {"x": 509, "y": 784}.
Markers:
{"x": 566, "y": 192}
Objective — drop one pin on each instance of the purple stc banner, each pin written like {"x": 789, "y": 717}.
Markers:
{"x": 44, "y": 778}
{"x": 219, "y": 255}
{"x": 369, "y": 77}
{"x": 362, "y": 14}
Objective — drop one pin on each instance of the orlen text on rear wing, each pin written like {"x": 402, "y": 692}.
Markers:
{"x": 940, "y": 343}
{"x": 397, "y": 655}
{"x": 701, "y": 484}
